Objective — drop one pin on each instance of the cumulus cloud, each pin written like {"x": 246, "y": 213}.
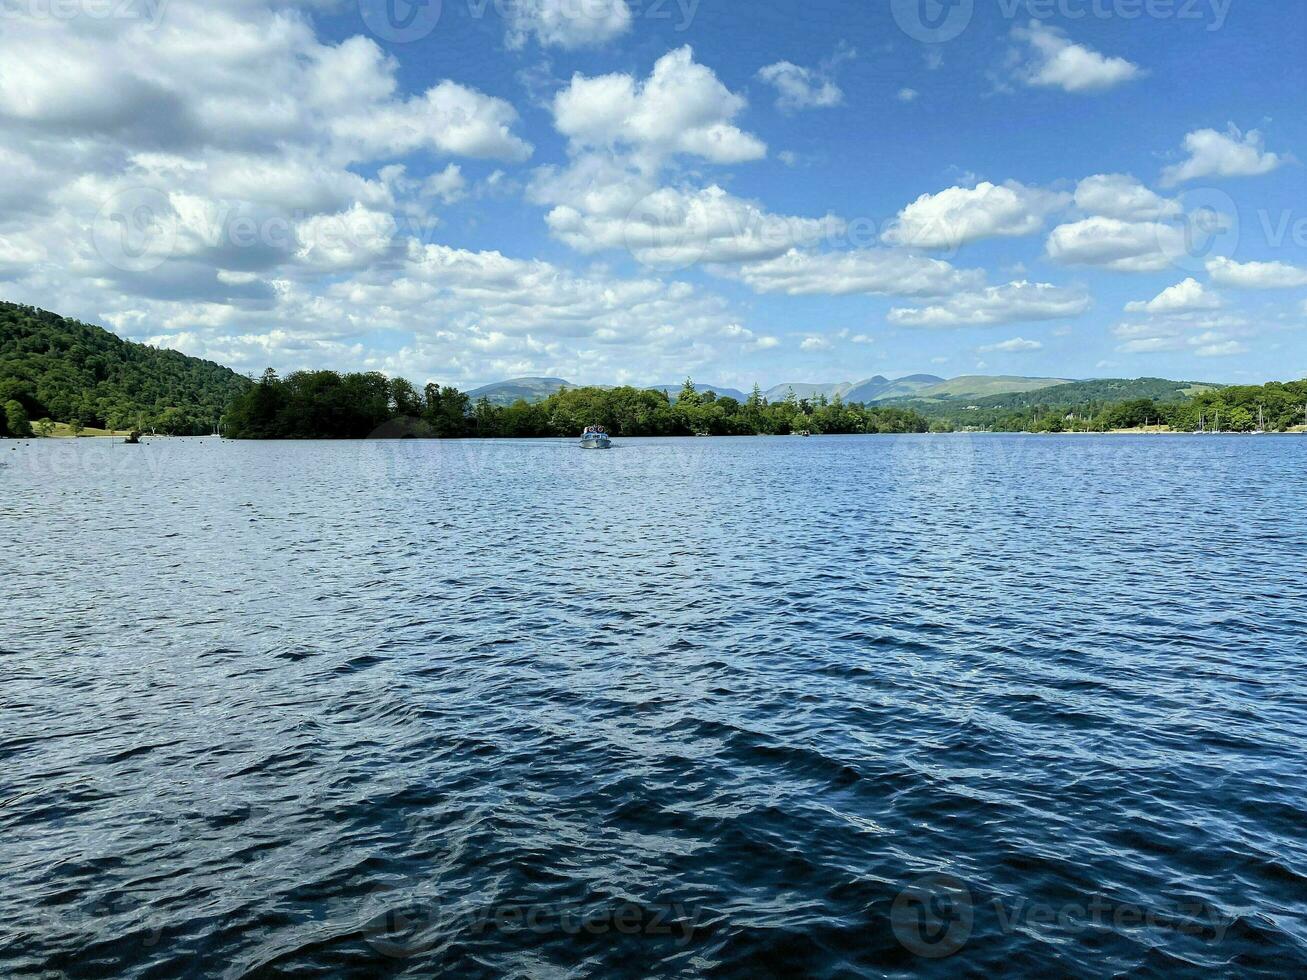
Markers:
{"x": 1017, "y": 345}
{"x": 1227, "y": 348}
{"x": 1123, "y": 197}
{"x": 467, "y": 315}
{"x": 623, "y": 134}
{"x": 873, "y": 271}
{"x": 449, "y": 118}
{"x": 959, "y": 215}
{"x": 1017, "y": 301}
{"x": 449, "y": 185}
{"x": 1201, "y": 334}
{"x": 1256, "y": 275}
{"x": 1056, "y": 62}
{"x": 1123, "y": 246}
{"x": 1228, "y": 154}
{"x": 200, "y": 184}
{"x": 1189, "y": 296}
{"x": 567, "y": 24}
{"x": 182, "y": 159}
{"x": 674, "y": 228}
{"x": 800, "y": 88}
{"x": 250, "y": 79}
{"x": 681, "y": 108}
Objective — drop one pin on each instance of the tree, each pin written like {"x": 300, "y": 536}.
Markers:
{"x": 45, "y": 428}
{"x": 689, "y": 396}
{"x": 75, "y": 427}
{"x": 404, "y": 398}
{"x": 16, "y": 420}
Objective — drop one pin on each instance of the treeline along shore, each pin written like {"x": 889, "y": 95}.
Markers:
{"x": 328, "y": 405}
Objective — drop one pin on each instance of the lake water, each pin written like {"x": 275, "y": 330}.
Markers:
{"x": 759, "y": 707}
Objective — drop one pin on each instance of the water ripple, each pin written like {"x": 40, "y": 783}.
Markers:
{"x": 699, "y": 708}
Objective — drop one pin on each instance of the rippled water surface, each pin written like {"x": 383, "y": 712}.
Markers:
{"x": 690, "y": 707}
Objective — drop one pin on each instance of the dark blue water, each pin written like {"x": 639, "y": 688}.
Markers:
{"x": 844, "y": 707}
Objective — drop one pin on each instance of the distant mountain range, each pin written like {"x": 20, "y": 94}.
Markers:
{"x": 877, "y": 389}
{"x": 520, "y": 389}
{"x": 721, "y": 391}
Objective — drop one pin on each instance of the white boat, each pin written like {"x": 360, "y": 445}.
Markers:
{"x": 595, "y": 437}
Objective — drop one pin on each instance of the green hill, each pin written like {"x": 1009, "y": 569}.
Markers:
{"x": 1104, "y": 391}
{"x": 881, "y": 389}
{"x": 68, "y": 371}
{"x": 982, "y": 386}
{"x": 1018, "y": 410}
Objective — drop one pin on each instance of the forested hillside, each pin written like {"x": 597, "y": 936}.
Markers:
{"x": 60, "y": 369}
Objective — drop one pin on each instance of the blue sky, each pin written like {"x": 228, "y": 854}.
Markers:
{"x": 612, "y": 190}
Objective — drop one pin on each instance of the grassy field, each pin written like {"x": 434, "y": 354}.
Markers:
{"x": 62, "y": 431}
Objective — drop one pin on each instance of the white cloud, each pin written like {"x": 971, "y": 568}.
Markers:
{"x": 1017, "y": 345}
{"x": 1228, "y": 154}
{"x": 1202, "y": 334}
{"x": 815, "y": 343}
{"x": 874, "y": 271}
{"x": 1124, "y": 246}
{"x": 1228, "y": 348}
{"x": 908, "y": 95}
{"x": 449, "y": 185}
{"x": 622, "y": 134}
{"x": 568, "y": 24}
{"x": 1056, "y": 62}
{"x": 230, "y": 142}
{"x": 959, "y": 215}
{"x": 673, "y": 228}
{"x": 449, "y": 118}
{"x": 800, "y": 88}
{"x": 682, "y": 108}
{"x": 1189, "y": 296}
{"x": 1256, "y": 275}
{"x": 1123, "y": 197}
{"x": 350, "y": 240}
{"x": 468, "y": 316}
{"x": 1017, "y": 301}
